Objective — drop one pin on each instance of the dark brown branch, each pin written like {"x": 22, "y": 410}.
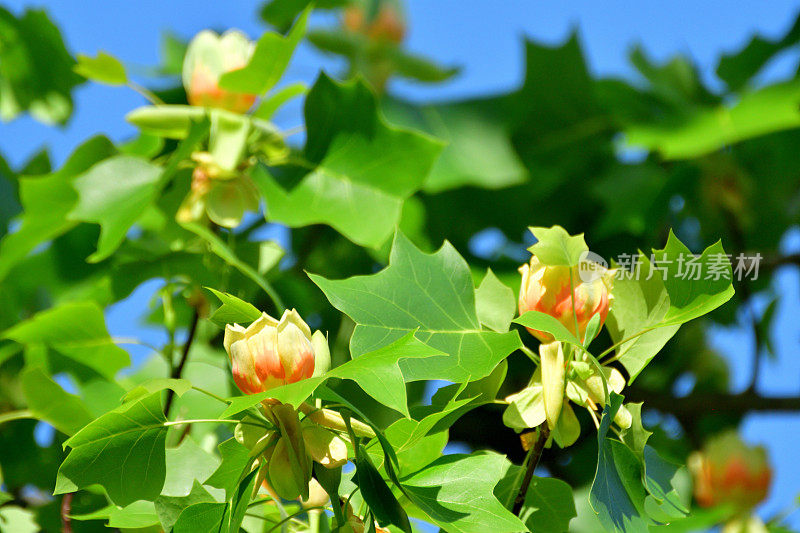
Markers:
{"x": 530, "y": 465}
{"x": 780, "y": 260}
{"x": 709, "y": 403}
{"x": 178, "y": 370}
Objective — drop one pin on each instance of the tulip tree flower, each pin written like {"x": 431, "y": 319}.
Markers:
{"x": 208, "y": 57}
{"x": 386, "y": 23}
{"x": 270, "y": 353}
{"x": 728, "y": 471}
{"x": 560, "y": 292}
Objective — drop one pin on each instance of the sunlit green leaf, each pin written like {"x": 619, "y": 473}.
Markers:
{"x": 549, "y": 505}
{"x": 617, "y": 494}
{"x": 114, "y": 194}
{"x": 77, "y": 331}
{"x": 104, "y": 68}
{"x": 361, "y": 169}
{"x": 478, "y": 150}
{"x": 49, "y": 402}
{"x": 122, "y": 450}
{"x": 767, "y": 110}
{"x": 35, "y": 68}
{"x": 495, "y": 303}
{"x": 269, "y": 61}
{"x": 456, "y": 492}
{"x": 430, "y": 294}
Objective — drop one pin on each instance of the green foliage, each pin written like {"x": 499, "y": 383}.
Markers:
{"x": 166, "y": 444}
{"x": 456, "y": 492}
{"x": 104, "y": 68}
{"x": 269, "y": 61}
{"x": 122, "y": 450}
{"x": 431, "y": 295}
{"x": 359, "y": 169}
{"x": 74, "y": 330}
{"x": 35, "y": 68}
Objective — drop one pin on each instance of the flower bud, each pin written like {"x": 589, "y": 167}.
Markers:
{"x": 386, "y": 24}
{"x": 208, "y": 57}
{"x": 548, "y": 289}
{"x": 322, "y": 353}
{"x": 727, "y": 471}
{"x": 270, "y": 353}
{"x": 325, "y": 447}
{"x": 288, "y": 481}
{"x": 552, "y": 365}
{"x": 317, "y": 497}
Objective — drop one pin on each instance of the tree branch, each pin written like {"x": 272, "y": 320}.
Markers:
{"x": 530, "y": 465}
{"x": 708, "y": 403}
{"x": 178, "y": 370}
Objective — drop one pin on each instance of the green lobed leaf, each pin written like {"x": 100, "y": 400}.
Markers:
{"x": 136, "y": 515}
{"x": 104, "y": 68}
{"x": 35, "y": 68}
{"x": 382, "y": 502}
{"x": 268, "y": 62}
{"x": 691, "y": 298}
{"x": 456, "y": 493}
{"x": 662, "y": 479}
{"x": 47, "y": 200}
{"x": 549, "y": 506}
{"x": 122, "y": 450}
{"x": 49, "y": 402}
{"x": 674, "y": 294}
{"x": 478, "y": 151}
{"x": 430, "y": 294}
{"x": 169, "y": 508}
{"x": 360, "y": 170}
{"x": 201, "y": 518}
{"x": 767, "y": 110}
{"x": 495, "y": 303}
{"x": 115, "y": 193}
{"x": 177, "y": 385}
{"x": 739, "y": 68}
{"x": 555, "y": 247}
{"x": 617, "y": 494}
{"x": 234, "y": 458}
{"x": 77, "y": 331}
{"x": 233, "y": 310}
{"x": 639, "y": 304}
{"x": 187, "y": 465}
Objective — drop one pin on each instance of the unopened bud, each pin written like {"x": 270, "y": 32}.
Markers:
{"x": 207, "y": 58}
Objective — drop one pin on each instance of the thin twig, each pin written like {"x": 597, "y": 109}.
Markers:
{"x": 178, "y": 370}
{"x": 531, "y": 461}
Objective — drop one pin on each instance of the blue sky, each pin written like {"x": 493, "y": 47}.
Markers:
{"x": 485, "y": 39}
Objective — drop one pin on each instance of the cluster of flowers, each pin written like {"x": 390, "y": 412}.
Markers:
{"x": 271, "y": 353}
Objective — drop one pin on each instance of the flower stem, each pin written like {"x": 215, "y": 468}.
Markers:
{"x": 531, "y": 460}
{"x": 15, "y": 415}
